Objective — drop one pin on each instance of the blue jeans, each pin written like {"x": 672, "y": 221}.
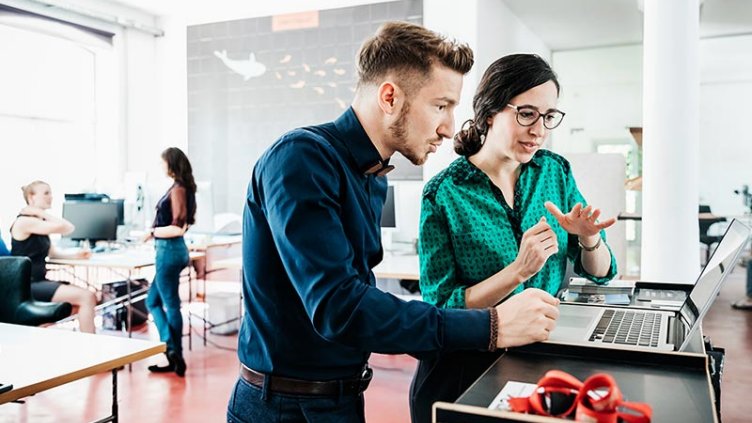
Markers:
{"x": 163, "y": 300}
{"x": 249, "y": 404}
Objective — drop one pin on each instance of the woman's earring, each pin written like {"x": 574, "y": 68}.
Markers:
{"x": 482, "y": 139}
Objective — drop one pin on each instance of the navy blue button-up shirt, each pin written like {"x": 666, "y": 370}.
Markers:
{"x": 311, "y": 236}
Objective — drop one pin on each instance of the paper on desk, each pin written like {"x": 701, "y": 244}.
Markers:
{"x": 511, "y": 390}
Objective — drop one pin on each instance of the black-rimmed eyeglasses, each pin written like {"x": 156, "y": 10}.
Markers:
{"x": 527, "y": 116}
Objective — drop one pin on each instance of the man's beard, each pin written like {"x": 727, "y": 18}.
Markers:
{"x": 398, "y": 132}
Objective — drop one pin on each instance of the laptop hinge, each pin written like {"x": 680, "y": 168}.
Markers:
{"x": 675, "y": 331}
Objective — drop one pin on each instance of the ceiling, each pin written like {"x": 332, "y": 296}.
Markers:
{"x": 561, "y": 24}
{"x": 576, "y": 24}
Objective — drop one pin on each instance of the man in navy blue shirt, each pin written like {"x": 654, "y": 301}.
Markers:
{"x": 311, "y": 236}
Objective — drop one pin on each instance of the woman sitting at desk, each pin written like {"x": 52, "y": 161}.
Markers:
{"x": 502, "y": 218}
{"x": 30, "y": 237}
{"x": 176, "y": 211}
{"x": 3, "y": 249}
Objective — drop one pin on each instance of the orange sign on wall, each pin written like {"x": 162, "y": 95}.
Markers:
{"x": 295, "y": 21}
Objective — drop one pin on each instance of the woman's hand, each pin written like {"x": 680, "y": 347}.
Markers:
{"x": 537, "y": 245}
{"x": 147, "y": 236}
{"x": 32, "y": 211}
{"x": 83, "y": 254}
{"x": 580, "y": 221}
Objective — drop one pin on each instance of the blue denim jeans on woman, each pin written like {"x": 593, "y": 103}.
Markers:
{"x": 250, "y": 404}
{"x": 163, "y": 300}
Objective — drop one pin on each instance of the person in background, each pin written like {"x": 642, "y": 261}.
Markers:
{"x": 176, "y": 212}
{"x": 3, "y": 248}
{"x": 30, "y": 237}
{"x": 311, "y": 237}
{"x": 746, "y": 302}
{"x": 491, "y": 224}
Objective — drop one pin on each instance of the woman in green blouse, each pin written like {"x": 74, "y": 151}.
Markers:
{"x": 492, "y": 223}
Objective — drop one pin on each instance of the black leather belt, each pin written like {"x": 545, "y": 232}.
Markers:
{"x": 330, "y": 388}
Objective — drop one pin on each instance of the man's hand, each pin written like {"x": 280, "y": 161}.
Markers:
{"x": 580, "y": 221}
{"x": 526, "y": 318}
{"x": 537, "y": 245}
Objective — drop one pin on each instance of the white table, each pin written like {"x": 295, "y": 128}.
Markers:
{"x": 34, "y": 359}
{"x": 129, "y": 260}
{"x": 398, "y": 267}
{"x": 393, "y": 266}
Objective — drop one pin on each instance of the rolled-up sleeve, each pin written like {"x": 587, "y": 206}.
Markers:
{"x": 300, "y": 188}
{"x": 179, "y": 206}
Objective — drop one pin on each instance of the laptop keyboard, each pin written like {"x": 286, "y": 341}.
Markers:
{"x": 628, "y": 328}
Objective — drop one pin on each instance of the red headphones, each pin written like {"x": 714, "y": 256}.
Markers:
{"x": 588, "y": 401}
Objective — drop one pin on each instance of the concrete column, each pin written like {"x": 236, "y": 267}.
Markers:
{"x": 670, "y": 234}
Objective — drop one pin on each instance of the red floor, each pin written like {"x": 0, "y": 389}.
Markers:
{"x": 203, "y": 394}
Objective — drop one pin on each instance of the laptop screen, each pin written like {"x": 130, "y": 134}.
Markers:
{"x": 721, "y": 263}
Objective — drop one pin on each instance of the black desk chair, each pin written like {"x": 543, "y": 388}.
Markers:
{"x": 16, "y": 304}
{"x": 705, "y": 225}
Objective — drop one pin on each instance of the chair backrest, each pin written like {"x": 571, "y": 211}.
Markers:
{"x": 15, "y": 285}
{"x": 3, "y": 248}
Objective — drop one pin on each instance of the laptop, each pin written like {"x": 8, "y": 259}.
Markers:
{"x": 654, "y": 330}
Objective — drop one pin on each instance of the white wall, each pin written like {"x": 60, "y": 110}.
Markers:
{"x": 602, "y": 95}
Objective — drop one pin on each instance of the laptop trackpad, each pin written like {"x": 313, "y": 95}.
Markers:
{"x": 574, "y": 323}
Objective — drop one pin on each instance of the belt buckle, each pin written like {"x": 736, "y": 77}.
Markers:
{"x": 365, "y": 379}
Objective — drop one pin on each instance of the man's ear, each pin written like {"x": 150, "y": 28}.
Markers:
{"x": 390, "y": 97}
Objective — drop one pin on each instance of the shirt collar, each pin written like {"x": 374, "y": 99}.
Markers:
{"x": 359, "y": 146}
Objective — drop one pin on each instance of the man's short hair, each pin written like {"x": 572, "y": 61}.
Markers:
{"x": 409, "y": 51}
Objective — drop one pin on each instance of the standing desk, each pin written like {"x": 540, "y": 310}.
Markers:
{"x": 398, "y": 267}
{"x": 392, "y": 266}
{"x": 216, "y": 247}
{"x": 676, "y": 385}
{"x": 35, "y": 359}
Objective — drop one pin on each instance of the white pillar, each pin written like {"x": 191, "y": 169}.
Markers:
{"x": 670, "y": 234}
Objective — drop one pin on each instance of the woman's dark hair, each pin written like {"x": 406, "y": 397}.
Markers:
{"x": 179, "y": 168}
{"x": 505, "y": 79}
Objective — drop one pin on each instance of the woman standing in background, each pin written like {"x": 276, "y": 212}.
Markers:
{"x": 176, "y": 211}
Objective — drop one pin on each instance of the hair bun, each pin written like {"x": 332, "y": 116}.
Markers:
{"x": 468, "y": 140}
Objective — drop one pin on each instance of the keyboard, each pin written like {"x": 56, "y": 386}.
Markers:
{"x": 638, "y": 328}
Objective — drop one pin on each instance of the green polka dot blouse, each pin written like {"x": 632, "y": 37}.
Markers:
{"x": 468, "y": 232}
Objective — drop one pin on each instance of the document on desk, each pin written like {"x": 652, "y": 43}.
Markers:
{"x": 511, "y": 390}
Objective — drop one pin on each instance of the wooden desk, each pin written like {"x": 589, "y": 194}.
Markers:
{"x": 398, "y": 267}
{"x": 393, "y": 267}
{"x": 34, "y": 359}
{"x": 214, "y": 242}
{"x": 232, "y": 263}
{"x": 216, "y": 248}
{"x": 129, "y": 260}
{"x": 676, "y": 385}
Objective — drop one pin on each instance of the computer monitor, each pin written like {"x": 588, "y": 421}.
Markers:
{"x": 86, "y": 196}
{"x": 94, "y": 220}
{"x": 120, "y": 205}
{"x": 389, "y": 214}
{"x": 99, "y": 197}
